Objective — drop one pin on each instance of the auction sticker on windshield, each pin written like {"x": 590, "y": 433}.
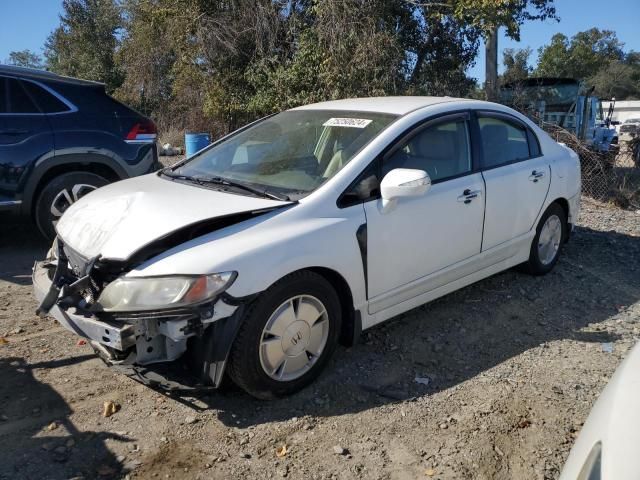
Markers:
{"x": 347, "y": 122}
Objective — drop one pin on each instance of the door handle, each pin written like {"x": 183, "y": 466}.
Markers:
{"x": 468, "y": 195}
{"x": 13, "y": 131}
{"x": 535, "y": 176}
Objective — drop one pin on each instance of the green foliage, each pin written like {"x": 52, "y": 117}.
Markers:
{"x": 217, "y": 64}
{"x": 25, "y": 58}
{"x": 516, "y": 63}
{"x": 581, "y": 57}
{"x": 84, "y": 44}
{"x": 596, "y": 57}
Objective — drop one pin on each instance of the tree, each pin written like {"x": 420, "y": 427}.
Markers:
{"x": 617, "y": 79}
{"x": 85, "y": 43}
{"x": 581, "y": 57}
{"x": 516, "y": 62}
{"x": 25, "y": 58}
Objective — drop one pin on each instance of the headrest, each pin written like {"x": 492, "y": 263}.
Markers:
{"x": 436, "y": 144}
{"x": 494, "y": 135}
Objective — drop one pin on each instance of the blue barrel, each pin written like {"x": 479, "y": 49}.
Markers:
{"x": 194, "y": 142}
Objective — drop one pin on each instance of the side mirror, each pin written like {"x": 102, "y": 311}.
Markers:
{"x": 403, "y": 182}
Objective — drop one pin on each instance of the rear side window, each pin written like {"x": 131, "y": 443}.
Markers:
{"x": 503, "y": 141}
{"x": 19, "y": 101}
{"x": 47, "y": 102}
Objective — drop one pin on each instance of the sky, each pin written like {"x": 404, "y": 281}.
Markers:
{"x": 575, "y": 16}
{"x": 26, "y": 24}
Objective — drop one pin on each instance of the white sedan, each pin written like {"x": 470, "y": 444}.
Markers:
{"x": 262, "y": 252}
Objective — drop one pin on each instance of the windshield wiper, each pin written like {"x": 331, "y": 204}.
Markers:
{"x": 226, "y": 182}
{"x": 242, "y": 186}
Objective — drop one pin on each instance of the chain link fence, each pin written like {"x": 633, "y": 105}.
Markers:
{"x": 606, "y": 176}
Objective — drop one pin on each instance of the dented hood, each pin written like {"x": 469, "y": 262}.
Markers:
{"x": 118, "y": 220}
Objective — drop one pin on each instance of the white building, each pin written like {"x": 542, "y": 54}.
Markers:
{"x": 623, "y": 110}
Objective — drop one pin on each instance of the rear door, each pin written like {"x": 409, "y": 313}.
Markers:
{"x": 516, "y": 175}
{"x": 25, "y": 137}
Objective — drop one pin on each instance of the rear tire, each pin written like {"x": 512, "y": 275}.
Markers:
{"x": 275, "y": 353}
{"x": 547, "y": 244}
{"x": 59, "y": 194}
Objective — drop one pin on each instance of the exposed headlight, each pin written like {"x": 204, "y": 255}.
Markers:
{"x": 136, "y": 294}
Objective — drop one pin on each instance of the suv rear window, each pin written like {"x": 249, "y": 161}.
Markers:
{"x": 47, "y": 102}
{"x": 4, "y": 96}
{"x": 19, "y": 101}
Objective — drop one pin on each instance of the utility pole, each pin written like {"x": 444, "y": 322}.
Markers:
{"x": 491, "y": 65}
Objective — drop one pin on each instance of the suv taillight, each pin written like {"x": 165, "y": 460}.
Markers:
{"x": 142, "y": 132}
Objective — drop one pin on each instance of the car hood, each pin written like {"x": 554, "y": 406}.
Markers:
{"x": 614, "y": 423}
{"x": 119, "y": 219}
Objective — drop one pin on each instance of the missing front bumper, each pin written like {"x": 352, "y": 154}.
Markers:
{"x": 143, "y": 345}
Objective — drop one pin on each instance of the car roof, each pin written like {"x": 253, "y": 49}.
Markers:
{"x": 392, "y": 105}
{"x": 44, "y": 75}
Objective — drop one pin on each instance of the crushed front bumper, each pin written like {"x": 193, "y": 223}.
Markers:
{"x": 142, "y": 345}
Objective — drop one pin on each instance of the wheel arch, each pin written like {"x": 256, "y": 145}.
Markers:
{"x": 351, "y": 321}
{"x": 56, "y": 166}
{"x": 564, "y": 203}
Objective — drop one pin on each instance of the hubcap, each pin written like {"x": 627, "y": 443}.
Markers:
{"x": 66, "y": 197}
{"x": 549, "y": 241}
{"x": 294, "y": 338}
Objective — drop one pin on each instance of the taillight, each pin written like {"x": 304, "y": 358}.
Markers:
{"x": 142, "y": 132}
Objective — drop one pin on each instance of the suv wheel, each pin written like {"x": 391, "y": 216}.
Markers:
{"x": 287, "y": 336}
{"x": 59, "y": 194}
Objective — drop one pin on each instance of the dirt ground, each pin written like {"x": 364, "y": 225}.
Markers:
{"x": 514, "y": 364}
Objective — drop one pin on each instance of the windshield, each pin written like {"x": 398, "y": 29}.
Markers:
{"x": 291, "y": 153}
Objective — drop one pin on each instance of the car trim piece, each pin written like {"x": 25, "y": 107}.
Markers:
{"x": 361, "y": 237}
{"x": 10, "y": 203}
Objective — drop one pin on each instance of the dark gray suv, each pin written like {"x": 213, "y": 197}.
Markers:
{"x": 61, "y": 138}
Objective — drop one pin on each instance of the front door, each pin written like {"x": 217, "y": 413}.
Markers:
{"x": 408, "y": 245}
{"x": 25, "y": 136}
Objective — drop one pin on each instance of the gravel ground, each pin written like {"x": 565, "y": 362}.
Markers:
{"x": 510, "y": 368}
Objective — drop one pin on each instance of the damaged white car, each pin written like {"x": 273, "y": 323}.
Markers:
{"x": 258, "y": 255}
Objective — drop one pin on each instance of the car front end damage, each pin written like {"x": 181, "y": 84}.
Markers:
{"x": 172, "y": 347}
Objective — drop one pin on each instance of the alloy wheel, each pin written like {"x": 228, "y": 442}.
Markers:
{"x": 66, "y": 197}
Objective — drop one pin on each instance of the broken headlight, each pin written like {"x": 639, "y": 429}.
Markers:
{"x": 135, "y": 294}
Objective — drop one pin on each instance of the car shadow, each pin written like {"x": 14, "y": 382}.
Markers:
{"x": 448, "y": 341}
{"x": 20, "y": 245}
{"x": 461, "y": 335}
{"x": 38, "y": 438}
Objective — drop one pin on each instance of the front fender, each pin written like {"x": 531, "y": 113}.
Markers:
{"x": 262, "y": 252}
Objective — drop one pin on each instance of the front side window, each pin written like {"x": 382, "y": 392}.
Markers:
{"x": 291, "y": 153}
{"x": 441, "y": 150}
{"x": 502, "y": 141}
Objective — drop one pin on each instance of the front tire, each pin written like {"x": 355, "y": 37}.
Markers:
{"x": 287, "y": 337}
{"x": 547, "y": 244}
{"x": 59, "y": 194}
